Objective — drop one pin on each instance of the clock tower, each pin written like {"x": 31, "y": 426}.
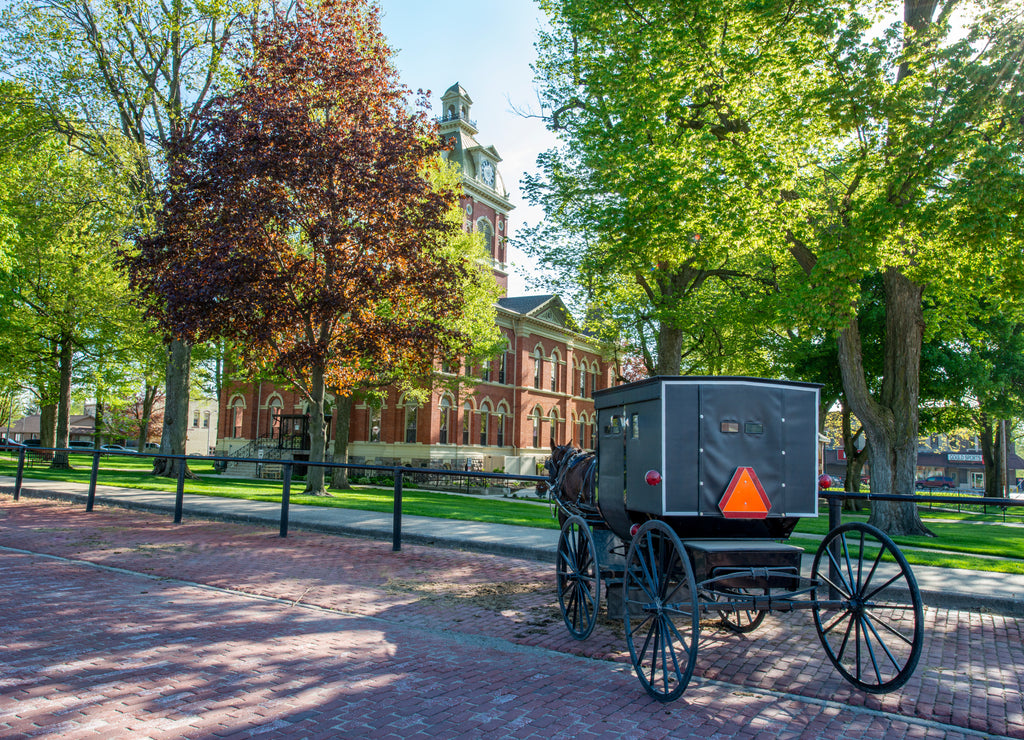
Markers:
{"x": 484, "y": 199}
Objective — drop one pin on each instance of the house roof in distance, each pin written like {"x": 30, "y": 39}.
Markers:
{"x": 524, "y": 304}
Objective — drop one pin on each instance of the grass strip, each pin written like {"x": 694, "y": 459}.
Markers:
{"x": 414, "y": 502}
{"x": 932, "y": 558}
{"x": 954, "y": 536}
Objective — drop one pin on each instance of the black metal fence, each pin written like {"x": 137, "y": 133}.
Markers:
{"x": 835, "y": 501}
{"x": 398, "y": 475}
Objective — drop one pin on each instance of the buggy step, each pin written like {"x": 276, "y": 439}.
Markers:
{"x": 749, "y": 564}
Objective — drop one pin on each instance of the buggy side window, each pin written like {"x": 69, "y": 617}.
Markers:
{"x": 634, "y": 423}
{"x": 614, "y": 427}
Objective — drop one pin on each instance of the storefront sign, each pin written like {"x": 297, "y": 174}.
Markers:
{"x": 964, "y": 457}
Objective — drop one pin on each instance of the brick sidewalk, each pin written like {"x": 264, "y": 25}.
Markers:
{"x": 430, "y": 642}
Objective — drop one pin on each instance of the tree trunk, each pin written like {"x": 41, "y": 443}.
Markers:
{"x": 317, "y": 434}
{"x": 173, "y": 437}
{"x": 63, "y": 431}
{"x": 670, "y": 349}
{"x": 854, "y": 458}
{"x": 97, "y": 423}
{"x": 891, "y": 423}
{"x": 342, "y": 421}
{"x": 148, "y": 399}
{"x": 993, "y": 452}
{"x": 47, "y": 426}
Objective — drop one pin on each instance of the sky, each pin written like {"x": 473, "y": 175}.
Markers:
{"x": 487, "y": 47}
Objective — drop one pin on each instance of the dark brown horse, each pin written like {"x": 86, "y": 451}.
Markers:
{"x": 571, "y": 478}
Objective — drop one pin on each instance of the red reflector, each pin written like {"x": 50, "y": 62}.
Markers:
{"x": 824, "y": 481}
{"x": 633, "y": 530}
{"x": 653, "y": 477}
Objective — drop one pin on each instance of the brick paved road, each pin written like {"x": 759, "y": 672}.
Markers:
{"x": 323, "y": 636}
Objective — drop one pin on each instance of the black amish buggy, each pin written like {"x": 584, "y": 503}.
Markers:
{"x": 685, "y": 510}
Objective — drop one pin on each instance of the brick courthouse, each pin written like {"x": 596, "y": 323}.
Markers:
{"x": 506, "y": 413}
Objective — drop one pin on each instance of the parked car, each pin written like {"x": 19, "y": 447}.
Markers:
{"x": 80, "y": 444}
{"x": 937, "y": 481}
{"x": 116, "y": 448}
{"x": 10, "y": 445}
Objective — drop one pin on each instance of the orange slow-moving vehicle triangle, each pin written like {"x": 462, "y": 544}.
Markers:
{"x": 745, "y": 497}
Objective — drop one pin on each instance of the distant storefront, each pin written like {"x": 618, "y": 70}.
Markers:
{"x": 967, "y": 468}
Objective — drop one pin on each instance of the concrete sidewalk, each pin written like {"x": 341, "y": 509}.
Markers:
{"x": 1001, "y": 593}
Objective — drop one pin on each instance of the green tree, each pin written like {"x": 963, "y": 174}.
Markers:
{"x": 139, "y": 72}
{"x": 306, "y": 225}
{"x": 841, "y": 140}
{"x": 63, "y": 282}
{"x": 977, "y": 381}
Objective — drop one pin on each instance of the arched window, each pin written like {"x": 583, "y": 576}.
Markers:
{"x": 503, "y": 367}
{"x": 487, "y": 231}
{"x": 583, "y": 380}
{"x": 499, "y": 423}
{"x": 553, "y": 417}
{"x": 274, "y": 409}
{"x": 373, "y": 432}
{"x": 554, "y": 370}
{"x": 538, "y": 367}
{"x": 535, "y": 419}
{"x": 581, "y": 431}
{"x": 237, "y": 407}
{"x": 485, "y": 417}
{"x": 411, "y": 413}
{"x": 467, "y": 416}
{"x": 445, "y": 420}
{"x": 593, "y": 380}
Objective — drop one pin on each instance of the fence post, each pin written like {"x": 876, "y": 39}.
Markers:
{"x": 179, "y": 498}
{"x": 21, "y": 473}
{"x": 92, "y": 480}
{"x": 286, "y": 494}
{"x": 396, "y": 535}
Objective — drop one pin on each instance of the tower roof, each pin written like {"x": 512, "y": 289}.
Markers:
{"x": 459, "y": 90}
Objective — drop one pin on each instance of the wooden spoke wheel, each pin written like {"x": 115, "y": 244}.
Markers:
{"x": 579, "y": 580}
{"x": 660, "y": 610}
{"x": 874, "y": 636}
{"x": 740, "y": 620}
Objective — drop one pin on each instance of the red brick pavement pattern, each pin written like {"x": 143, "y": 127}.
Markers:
{"x": 94, "y": 653}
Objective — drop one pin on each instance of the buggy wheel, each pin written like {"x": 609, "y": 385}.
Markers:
{"x": 660, "y": 611}
{"x": 741, "y": 620}
{"x": 579, "y": 580}
{"x": 873, "y": 635}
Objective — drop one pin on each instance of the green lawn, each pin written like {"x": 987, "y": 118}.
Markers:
{"x": 960, "y": 536}
{"x": 939, "y": 559}
{"x": 126, "y": 472}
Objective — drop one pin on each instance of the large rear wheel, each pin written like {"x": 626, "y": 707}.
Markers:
{"x": 874, "y": 634}
{"x": 660, "y": 611}
{"x": 579, "y": 580}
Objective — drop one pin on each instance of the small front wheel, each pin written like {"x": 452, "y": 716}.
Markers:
{"x": 660, "y": 611}
{"x": 741, "y": 620}
{"x": 579, "y": 580}
{"x": 868, "y": 611}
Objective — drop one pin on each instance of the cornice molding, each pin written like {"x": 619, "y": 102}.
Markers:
{"x": 486, "y": 195}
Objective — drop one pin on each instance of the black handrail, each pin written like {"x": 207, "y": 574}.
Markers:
{"x": 399, "y": 472}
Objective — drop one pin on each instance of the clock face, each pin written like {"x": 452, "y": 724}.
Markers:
{"x": 487, "y": 173}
